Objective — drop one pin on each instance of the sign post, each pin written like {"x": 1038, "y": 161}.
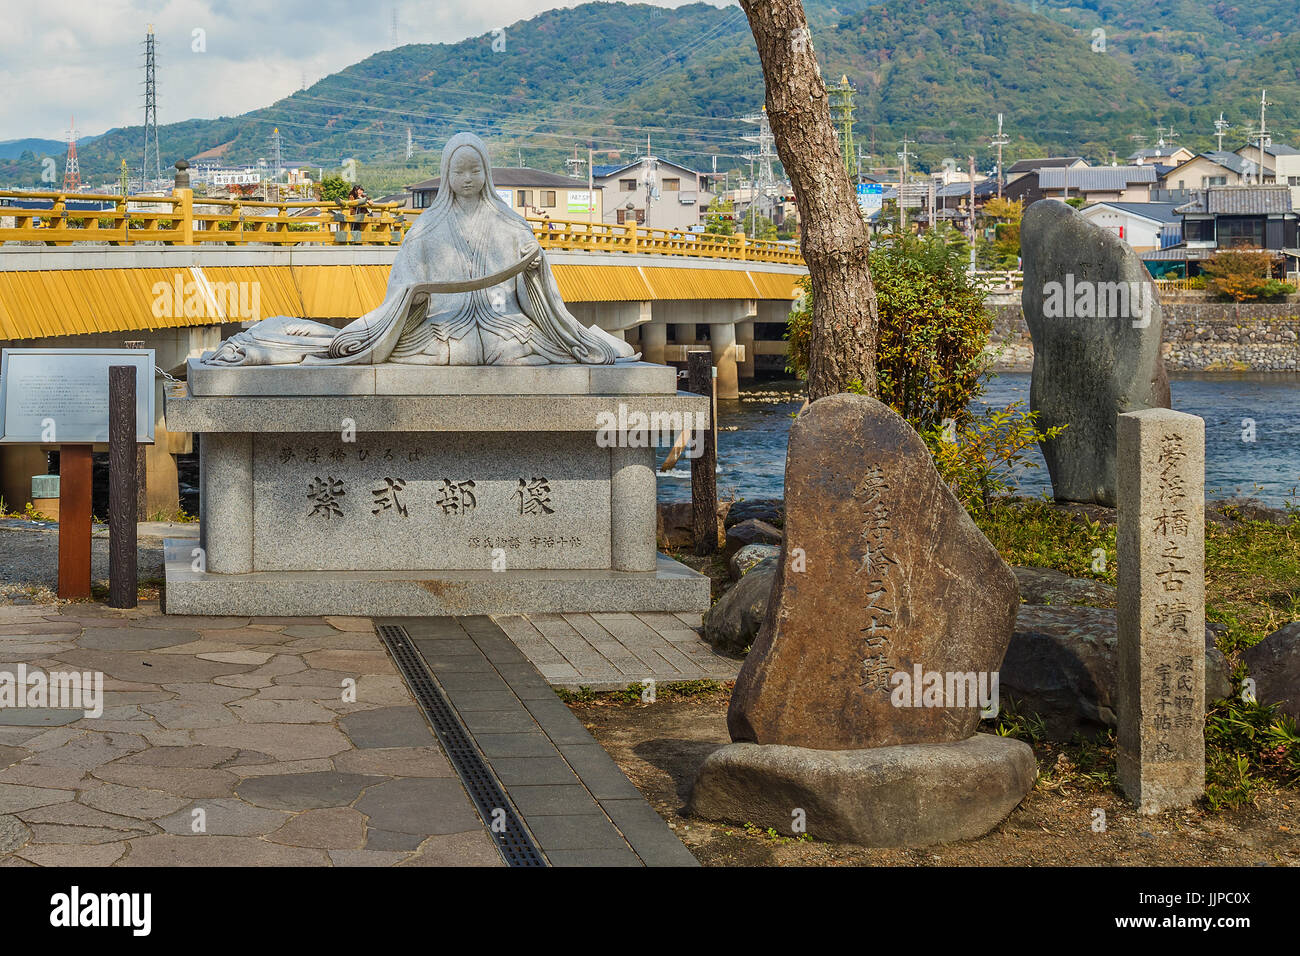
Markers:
{"x": 61, "y": 397}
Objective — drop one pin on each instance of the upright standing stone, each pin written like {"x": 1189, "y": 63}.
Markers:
{"x": 1161, "y": 543}
{"x": 1095, "y": 319}
{"x": 883, "y": 574}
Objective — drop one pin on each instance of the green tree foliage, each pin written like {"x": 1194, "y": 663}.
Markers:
{"x": 720, "y": 220}
{"x": 333, "y": 189}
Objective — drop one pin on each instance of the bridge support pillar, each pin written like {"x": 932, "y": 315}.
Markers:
{"x": 722, "y": 341}
{"x": 654, "y": 340}
{"x": 745, "y": 339}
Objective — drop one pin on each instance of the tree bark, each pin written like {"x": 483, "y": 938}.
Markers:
{"x": 834, "y": 241}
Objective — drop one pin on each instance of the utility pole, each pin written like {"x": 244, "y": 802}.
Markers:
{"x": 970, "y": 222}
{"x": 902, "y": 186}
{"x": 277, "y": 154}
{"x": 149, "y": 161}
{"x": 1000, "y": 140}
{"x": 1264, "y": 138}
{"x": 1221, "y": 128}
{"x": 591, "y": 189}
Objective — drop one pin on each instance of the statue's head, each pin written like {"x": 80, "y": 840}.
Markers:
{"x": 465, "y": 173}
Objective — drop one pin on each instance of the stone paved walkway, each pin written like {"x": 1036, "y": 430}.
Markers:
{"x": 223, "y": 741}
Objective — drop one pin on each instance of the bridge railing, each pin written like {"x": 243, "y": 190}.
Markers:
{"x": 184, "y": 219}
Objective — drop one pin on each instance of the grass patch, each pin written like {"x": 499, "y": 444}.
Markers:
{"x": 1035, "y": 533}
{"x": 635, "y": 694}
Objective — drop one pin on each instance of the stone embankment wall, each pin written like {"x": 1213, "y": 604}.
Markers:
{"x": 1202, "y": 336}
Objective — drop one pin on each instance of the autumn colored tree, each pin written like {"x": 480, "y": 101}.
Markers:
{"x": 1243, "y": 275}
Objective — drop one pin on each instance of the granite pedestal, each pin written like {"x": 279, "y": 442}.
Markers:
{"x": 426, "y": 490}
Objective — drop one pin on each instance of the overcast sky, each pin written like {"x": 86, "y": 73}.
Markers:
{"x": 60, "y": 58}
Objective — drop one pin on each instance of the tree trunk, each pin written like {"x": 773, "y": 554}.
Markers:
{"x": 834, "y": 243}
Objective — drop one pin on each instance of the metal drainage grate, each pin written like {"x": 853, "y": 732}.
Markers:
{"x": 513, "y": 841}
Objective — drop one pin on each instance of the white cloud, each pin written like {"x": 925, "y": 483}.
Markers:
{"x": 60, "y": 58}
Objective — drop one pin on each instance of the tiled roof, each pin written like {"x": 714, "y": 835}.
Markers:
{"x": 1098, "y": 179}
{"x": 1229, "y": 161}
{"x": 1239, "y": 201}
{"x": 1155, "y": 211}
{"x": 1045, "y": 162}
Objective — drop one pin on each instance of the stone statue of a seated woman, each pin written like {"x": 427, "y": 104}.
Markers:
{"x": 470, "y": 286}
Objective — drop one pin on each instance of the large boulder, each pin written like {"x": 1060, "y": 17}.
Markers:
{"x": 1048, "y": 586}
{"x": 733, "y": 623}
{"x": 1274, "y": 664}
{"x": 909, "y": 795}
{"x": 1094, "y": 316}
{"x": 882, "y": 572}
{"x": 1063, "y": 666}
{"x": 750, "y": 531}
{"x": 675, "y": 524}
{"x": 750, "y": 557}
{"x": 771, "y": 510}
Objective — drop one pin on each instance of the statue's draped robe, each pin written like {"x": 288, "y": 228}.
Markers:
{"x": 520, "y": 320}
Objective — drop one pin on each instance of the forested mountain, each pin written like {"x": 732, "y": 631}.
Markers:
{"x": 936, "y": 71}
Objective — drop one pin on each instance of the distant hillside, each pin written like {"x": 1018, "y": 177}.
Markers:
{"x": 937, "y": 71}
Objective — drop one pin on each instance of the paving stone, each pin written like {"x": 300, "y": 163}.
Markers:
{"x": 182, "y": 782}
{"x": 598, "y": 772}
{"x": 244, "y": 635}
{"x": 282, "y": 711}
{"x": 194, "y": 756}
{"x": 340, "y": 828}
{"x": 306, "y": 791}
{"x": 197, "y": 622}
{"x": 89, "y": 751}
{"x": 11, "y": 755}
{"x": 471, "y": 848}
{"x": 248, "y": 681}
{"x": 388, "y": 727}
{"x": 38, "y": 740}
{"x": 468, "y": 701}
{"x": 78, "y": 815}
{"x": 350, "y": 661}
{"x": 516, "y": 721}
{"x": 552, "y": 800}
{"x": 316, "y": 677}
{"x": 13, "y": 833}
{"x": 16, "y": 797}
{"x": 648, "y": 834}
{"x": 60, "y": 778}
{"x": 237, "y": 657}
{"x": 367, "y": 857}
{"x": 274, "y": 767}
{"x": 169, "y": 738}
{"x": 515, "y": 745}
{"x": 282, "y": 741}
{"x": 38, "y": 716}
{"x": 223, "y": 817}
{"x": 132, "y": 801}
{"x": 314, "y": 692}
{"x": 39, "y": 627}
{"x": 207, "y": 693}
{"x": 392, "y": 840}
{"x": 57, "y": 833}
{"x": 186, "y": 714}
{"x": 537, "y": 771}
{"x": 580, "y": 831}
{"x": 318, "y": 630}
{"x": 150, "y": 668}
{"x": 420, "y": 805}
{"x": 191, "y": 850}
{"x": 134, "y": 638}
{"x": 64, "y": 854}
{"x": 351, "y": 623}
{"x": 396, "y": 762}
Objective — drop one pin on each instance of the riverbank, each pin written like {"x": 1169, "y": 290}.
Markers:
{"x": 1198, "y": 337}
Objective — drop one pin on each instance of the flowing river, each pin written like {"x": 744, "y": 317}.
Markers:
{"x": 752, "y": 443}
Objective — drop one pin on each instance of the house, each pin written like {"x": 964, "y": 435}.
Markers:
{"x": 1145, "y": 226}
{"x": 529, "y": 192}
{"x": 1232, "y": 217}
{"x": 1027, "y": 167}
{"x": 1098, "y": 184}
{"x": 1162, "y": 154}
{"x": 653, "y": 192}
{"x": 1281, "y": 166}
{"x": 1210, "y": 169}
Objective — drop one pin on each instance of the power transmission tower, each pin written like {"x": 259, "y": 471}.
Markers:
{"x": 762, "y": 189}
{"x": 71, "y": 170}
{"x": 841, "y": 102}
{"x": 410, "y": 145}
{"x": 1000, "y": 140}
{"x": 124, "y": 180}
{"x": 575, "y": 165}
{"x": 394, "y": 32}
{"x": 150, "y": 164}
{"x": 277, "y": 154}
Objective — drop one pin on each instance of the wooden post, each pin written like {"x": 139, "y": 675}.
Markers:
{"x": 704, "y": 477}
{"x": 121, "y": 486}
{"x": 74, "y": 520}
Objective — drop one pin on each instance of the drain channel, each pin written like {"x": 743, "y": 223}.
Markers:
{"x": 513, "y": 841}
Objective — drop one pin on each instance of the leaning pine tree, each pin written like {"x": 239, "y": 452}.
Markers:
{"x": 842, "y": 349}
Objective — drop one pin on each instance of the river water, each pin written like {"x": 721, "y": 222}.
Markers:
{"x": 751, "y": 458}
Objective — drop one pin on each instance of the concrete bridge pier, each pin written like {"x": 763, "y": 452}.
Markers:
{"x": 654, "y": 342}
{"x": 745, "y": 339}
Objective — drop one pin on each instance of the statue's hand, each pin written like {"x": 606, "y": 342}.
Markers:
{"x": 528, "y": 249}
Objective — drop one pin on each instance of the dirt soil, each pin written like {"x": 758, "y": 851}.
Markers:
{"x": 660, "y": 746}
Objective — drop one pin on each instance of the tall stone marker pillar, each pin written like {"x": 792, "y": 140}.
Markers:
{"x": 1161, "y": 544}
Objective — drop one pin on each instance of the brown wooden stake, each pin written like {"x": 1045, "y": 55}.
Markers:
{"x": 141, "y": 483}
{"x": 704, "y": 467}
{"x": 74, "y": 520}
{"x": 122, "y": 487}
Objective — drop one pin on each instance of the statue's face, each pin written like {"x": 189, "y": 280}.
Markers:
{"x": 467, "y": 174}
